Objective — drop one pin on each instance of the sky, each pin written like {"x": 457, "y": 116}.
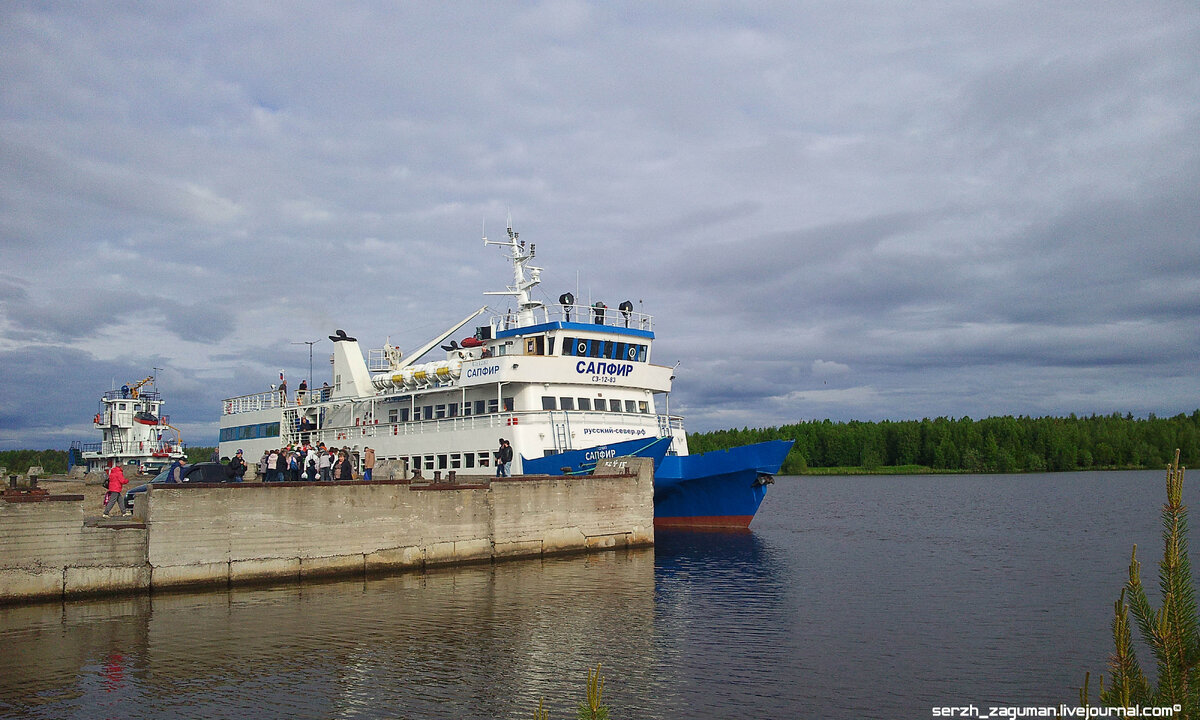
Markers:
{"x": 844, "y": 210}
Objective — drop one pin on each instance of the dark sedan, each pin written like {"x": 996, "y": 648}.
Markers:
{"x": 205, "y": 472}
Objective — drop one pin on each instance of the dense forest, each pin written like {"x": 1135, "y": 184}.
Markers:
{"x": 998, "y": 444}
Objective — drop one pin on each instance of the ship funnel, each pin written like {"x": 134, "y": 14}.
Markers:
{"x": 350, "y": 376}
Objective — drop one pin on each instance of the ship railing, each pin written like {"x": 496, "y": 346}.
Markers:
{"x": 580, "y": 313}
{"x": 151, "y": 395}
{"x": 256, "y": 401}
{"x": 128, "y": 447}
{"x": 351, "y": 434}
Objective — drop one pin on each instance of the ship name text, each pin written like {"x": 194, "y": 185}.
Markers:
{"x": 482, "y": 371}
{"x": 605, "y": 372}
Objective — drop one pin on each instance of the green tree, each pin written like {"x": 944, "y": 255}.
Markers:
{"x": 1172, "y": 632}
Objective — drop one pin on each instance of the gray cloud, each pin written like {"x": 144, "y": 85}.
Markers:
{"x": 833, "y": 210}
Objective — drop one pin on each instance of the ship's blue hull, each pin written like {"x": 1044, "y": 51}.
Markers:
{"x": 722, "y": 488}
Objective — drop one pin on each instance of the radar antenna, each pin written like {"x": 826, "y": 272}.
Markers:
{"x": 520, "y": 257}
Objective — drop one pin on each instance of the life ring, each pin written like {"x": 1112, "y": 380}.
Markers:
{"x": 96, "y": 419}
{"x": 228, "y": 408}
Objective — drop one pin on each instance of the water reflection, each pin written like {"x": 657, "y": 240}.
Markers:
{"x": 721, "y": 612}
{"x": 475, "y": 642}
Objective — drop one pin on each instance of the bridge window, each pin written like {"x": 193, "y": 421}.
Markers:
{"x": 548, "y": 403}
{"x": 614, "y": 405}
{"x": 585, "y": 403}
{"x": 566, "y": 403}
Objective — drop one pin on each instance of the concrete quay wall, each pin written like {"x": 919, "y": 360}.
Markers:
{"x": 50, "y": 549}
{"x": 228, "y": 534}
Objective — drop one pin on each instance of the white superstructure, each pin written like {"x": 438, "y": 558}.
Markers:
{"x": 133, "y": 431}
{"x": 548, "y": 379}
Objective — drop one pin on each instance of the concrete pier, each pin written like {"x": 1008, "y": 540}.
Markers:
{"x": 188, "y": 535}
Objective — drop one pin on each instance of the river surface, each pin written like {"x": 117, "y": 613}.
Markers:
{"x": 851, "y": 597}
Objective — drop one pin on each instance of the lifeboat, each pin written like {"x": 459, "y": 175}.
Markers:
{"x": 145, "y": 418}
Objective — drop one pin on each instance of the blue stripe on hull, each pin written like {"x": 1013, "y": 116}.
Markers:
{"x": 574, "y": 462}
{"x": 714, "y": 488}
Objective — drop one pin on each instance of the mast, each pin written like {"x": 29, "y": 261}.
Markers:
{"x": 521, "y": 286}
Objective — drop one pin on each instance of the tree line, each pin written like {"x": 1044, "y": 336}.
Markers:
{"x": 18, "y": 462}
{"x": 997, "y": 444}
{"x": 54, "y": 462}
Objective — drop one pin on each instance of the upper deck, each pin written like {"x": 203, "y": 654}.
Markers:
{"x": 577, "y": 317}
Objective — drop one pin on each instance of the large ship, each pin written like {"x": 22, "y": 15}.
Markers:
{"x": 133, "y": 431}
{"x": 565, "y": 384}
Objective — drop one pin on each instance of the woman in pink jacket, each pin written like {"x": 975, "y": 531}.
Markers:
{"x": 116, "y": 489}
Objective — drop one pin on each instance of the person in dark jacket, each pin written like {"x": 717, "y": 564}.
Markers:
{"x": 343, "y": 469}
{"x": 504, "y": 456}
{"x": 237, "y": 467}
{"x": 175, "y": 473}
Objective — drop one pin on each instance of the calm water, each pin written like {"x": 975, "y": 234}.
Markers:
{"x": 870, "y": 597}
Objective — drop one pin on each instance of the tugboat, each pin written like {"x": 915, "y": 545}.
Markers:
{"x": 565, "y": 384}
{"x": 133, "y": 432}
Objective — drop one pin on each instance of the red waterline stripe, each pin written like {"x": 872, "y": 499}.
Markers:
{"x": 738, "y": 521}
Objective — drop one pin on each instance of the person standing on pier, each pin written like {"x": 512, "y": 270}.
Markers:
{"x": 237, "y": 467}
{"x": 368, "y": 463}
{"x": 272, "y": 466}
{"x": 504, "y": 456}
{"x": 116, "y": 490}
{"x": 324, "y": 463}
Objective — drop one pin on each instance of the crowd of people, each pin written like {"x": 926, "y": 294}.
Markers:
{"x": 309, "y": 463}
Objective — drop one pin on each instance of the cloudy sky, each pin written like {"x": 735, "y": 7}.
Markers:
{"x": 844, "y": 210}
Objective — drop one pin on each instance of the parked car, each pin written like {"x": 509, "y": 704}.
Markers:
{"x": 205, "y": 472}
